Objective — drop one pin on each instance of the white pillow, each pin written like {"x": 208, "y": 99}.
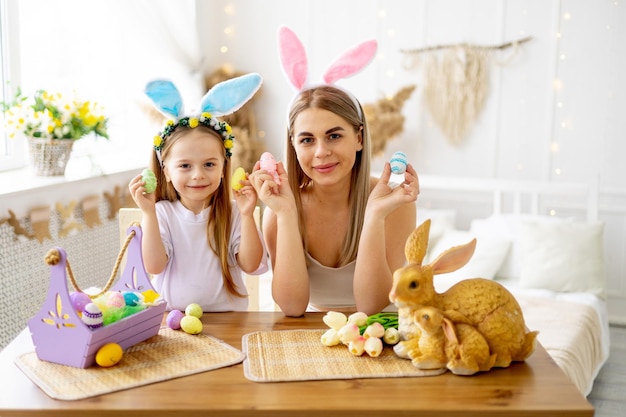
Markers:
{"x": 440, "y": 221}
{"x": 564, "y": 257}
{"x": 488, "y": 256}
{"x": 509, "y": 227}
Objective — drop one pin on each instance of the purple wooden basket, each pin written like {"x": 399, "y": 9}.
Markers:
{"x": 60, "y": 336}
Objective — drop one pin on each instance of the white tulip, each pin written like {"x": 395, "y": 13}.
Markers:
{"x": 374, "y": 330}
{"x": 391, "y": 336}
{"x": 357, "y": 346}
{"x": 359, "y": 318}
{"x": 348, "y": 333}
{"x": 373, "y": 346}
{"x": 335, "y": 320}
{"x": 330, "y": 338}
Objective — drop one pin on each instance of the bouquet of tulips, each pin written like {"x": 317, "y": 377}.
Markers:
{"x": 360, "y": 332}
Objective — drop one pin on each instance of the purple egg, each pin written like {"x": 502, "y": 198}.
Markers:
{"x": 173, "y": 319}
{"x": 79, "y": 300}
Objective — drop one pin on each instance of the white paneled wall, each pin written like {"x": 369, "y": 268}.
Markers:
{"x": 554, "y": 110}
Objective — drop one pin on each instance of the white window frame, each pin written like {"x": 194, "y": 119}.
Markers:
{"x": 9, "y": 48}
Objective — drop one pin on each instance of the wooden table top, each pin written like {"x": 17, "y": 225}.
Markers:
{"x": 532, "y": 388}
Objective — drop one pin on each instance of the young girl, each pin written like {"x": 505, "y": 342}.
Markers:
{"x": 195, "y": 241}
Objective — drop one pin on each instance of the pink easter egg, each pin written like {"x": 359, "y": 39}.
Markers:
{"x": 268, "y": 163}
{"x": 116, "y": 299}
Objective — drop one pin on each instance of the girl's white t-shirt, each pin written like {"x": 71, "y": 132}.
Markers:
{"x": 193, "y": 273}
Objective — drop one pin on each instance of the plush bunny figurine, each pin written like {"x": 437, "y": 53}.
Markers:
{"x": 463, "y": 349}
{"x": 484, "y": 304}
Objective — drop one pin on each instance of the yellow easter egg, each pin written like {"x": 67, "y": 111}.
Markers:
{"x": 193, "y": 309}
{"x": 238, "y": 175}
{"x": 109, "y": 355}
{"x": 191, "y": 324}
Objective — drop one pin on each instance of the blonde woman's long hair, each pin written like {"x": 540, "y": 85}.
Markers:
{"x": 220, "y": 215}
{"x": 342, "y": 104}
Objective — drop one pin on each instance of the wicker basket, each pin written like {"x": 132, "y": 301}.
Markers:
{"x": 59, "y": 334}
{"x": 49, "y": 157}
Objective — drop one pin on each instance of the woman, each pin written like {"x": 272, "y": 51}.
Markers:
{"x": 335, "y": 234}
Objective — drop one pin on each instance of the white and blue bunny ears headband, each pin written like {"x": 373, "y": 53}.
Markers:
{"x": 223, "y": 99}
{"x": 295, "y": 65}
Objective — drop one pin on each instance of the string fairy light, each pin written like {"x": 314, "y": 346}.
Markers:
{"x": 229, "y": 30}
{"x": 558, "y": 87}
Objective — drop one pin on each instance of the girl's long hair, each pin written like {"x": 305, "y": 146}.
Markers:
{"x": 220, "y": 215}
{"x": 347, "y": 107}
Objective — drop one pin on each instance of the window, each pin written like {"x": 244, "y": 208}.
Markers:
{"x": 107, "y": 60}
{"x": 12, "y": 153}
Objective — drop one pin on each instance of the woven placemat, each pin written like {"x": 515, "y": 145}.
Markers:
{"x": 169, "y": 354}
{"x": 299, "y": 355}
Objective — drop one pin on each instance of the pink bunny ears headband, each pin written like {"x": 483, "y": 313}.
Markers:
{"x": 295, "y": 65}
{"x": 223, "y": 99}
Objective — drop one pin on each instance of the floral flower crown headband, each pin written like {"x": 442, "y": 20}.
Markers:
{"x": 223, "y": 99}
{"x": 295, "y": 65}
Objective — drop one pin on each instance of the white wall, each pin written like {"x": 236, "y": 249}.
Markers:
{"x": 554, "y": 112}
{"x": 524, "y": 114}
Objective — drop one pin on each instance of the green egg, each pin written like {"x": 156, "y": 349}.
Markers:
{"x": 148, "y": 177}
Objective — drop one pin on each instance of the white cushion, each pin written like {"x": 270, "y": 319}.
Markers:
{"x": 565, "y": 257}
{"x": 489, "y": 254}
{"x": 509, "y": 227}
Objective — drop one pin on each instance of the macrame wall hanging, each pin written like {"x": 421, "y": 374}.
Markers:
{"x": 456, "y": 82}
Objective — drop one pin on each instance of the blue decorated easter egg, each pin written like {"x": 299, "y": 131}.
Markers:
{"x": 398, "y": 163}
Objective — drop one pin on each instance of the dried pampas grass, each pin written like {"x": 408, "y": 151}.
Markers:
{"x": 385, "y": 119}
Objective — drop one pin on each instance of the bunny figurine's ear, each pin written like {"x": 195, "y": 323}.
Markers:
{"x": 351, "y": 61}
{"x": 417, "y": 244}
{"x": 292, "y": 57}
{"x": 165, "y": 97}
{"x": 228, "y": 96}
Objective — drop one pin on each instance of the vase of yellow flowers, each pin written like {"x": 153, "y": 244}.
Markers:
{"x": 52, "y": 123}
